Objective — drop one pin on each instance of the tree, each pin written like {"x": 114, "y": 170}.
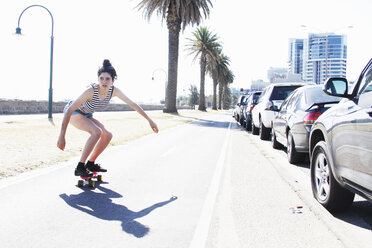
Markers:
{"x": 203, "y": 46}
{"x": 212, "y": 69}
{"x": 194, "y": 96}
{"x": 217, "y": 69}
{"x": 178, "y": 14}
{"x": 227, "y": 77}
{"x": 227, "y": 98}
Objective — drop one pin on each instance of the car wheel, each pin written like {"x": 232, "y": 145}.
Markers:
{"x": 255, "y": 130}
{"x": 326, "y": 190}
{"x": 293, "y": 156}
{"x": 248, "y": 125}
{"x": 241, "y": 121}
{"x": 275, "y": 144}
{"x": 264, "y": 131}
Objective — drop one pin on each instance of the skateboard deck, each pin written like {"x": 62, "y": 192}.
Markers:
{"x": 89, "y": 180}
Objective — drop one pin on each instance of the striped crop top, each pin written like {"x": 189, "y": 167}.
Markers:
{"x": 96, "y": 104}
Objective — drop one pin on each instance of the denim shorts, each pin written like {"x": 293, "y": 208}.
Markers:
{"x": 77, "y": 111}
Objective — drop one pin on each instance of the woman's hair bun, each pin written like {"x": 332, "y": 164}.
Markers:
{"x": 107, "y": 67}
{"x": 106, "y": 63}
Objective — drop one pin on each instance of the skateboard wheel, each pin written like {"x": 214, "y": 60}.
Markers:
{"x": 91, "y": 183}
{"x": 99, "y": 178}
{"x": 81, "y": 183}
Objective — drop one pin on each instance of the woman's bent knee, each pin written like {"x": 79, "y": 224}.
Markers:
{"x": 96, "y": 132}
{"x": 107, "y": 135}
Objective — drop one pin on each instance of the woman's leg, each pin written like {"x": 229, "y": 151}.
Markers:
{"x": 88, "y": 125}
{"x": 103, "y": 142}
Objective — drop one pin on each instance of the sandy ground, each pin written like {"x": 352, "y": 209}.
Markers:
{"x": 29, "y": 141}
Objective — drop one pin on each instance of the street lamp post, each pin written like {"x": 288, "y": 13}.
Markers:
{"x": 18, "y": 31}
{"x": 166, "y": 80}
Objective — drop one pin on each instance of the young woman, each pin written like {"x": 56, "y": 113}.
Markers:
{"x": 80, "y": 114}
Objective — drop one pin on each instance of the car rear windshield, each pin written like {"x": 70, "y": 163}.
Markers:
{"x": 317, "y": 95}
{"x": 256, "y": 96}
{"x": 242, "y": 98}
{"x": 281, "y": 92}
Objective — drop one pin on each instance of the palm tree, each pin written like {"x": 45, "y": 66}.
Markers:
{"x": 204, "y": 46}
{"x": 212, "y": 69}
{"x": 227, "y": 77}
{"x": 178, "y": 14}
{"x": 217, "y": 70}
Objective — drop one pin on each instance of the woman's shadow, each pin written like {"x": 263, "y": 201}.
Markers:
{"x": 100, "y": 205}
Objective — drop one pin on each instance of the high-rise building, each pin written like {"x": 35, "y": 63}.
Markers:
{"x": 296, "y": 47}
{"x": 325, "y": 56}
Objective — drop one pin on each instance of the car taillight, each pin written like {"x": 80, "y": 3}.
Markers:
{"x": 251, "y": 108}
{"x": 310, "y": 118}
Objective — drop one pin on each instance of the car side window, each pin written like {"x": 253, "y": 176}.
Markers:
{"x": 366, "y": 82}
{"x": 292, "y": 102}
{"x": 262, "y": 96}
{"x": 247, "y": 99}
{"x": 285, "y": 103}
{"x": 365, "y": 97}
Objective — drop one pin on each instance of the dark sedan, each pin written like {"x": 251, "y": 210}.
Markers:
{"x": 341, "y": 144}
{"x": 247, "y": 113}
{"x": 292, "y": 125}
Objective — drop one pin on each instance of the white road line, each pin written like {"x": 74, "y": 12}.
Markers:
{"x": 202, "y": 229}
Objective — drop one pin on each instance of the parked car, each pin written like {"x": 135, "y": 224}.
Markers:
{"x": 238, "y": 108}
{"x": 263, "y": 113}
{"x": 292, "y": 125}
{"x": 341, "y": 144}
{"x": 251, "y": 102}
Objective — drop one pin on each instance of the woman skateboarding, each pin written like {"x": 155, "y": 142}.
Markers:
{"x": 80, "y": 114}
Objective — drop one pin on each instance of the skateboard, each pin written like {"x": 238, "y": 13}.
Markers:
{"x": 89, "y": 180}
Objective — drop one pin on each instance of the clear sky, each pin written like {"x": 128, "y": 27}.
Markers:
{"x": 254, "y": 34}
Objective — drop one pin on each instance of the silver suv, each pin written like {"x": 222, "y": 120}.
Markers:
{"x": 341, "y": 144}
{"x": 271, "y": 98}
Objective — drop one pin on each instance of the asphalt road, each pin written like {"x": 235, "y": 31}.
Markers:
{"x": 203, "y": 184}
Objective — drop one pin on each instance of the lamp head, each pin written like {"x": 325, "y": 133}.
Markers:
{"x": 18, "y": 31}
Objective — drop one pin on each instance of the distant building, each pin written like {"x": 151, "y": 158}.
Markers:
{"x": 258, "y": 84}
{"x": 296, "y": 53}
{"x": 274, "y": 74}
{"x": 326, "y": 56}
{"x": 290, "y": 78}
{"x": 319, "y": 57}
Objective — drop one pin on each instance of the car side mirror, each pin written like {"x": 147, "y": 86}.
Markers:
{"x": 336, "y": 87}
{"x": 275, "y": 108}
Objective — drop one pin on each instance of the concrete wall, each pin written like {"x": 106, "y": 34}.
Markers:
{"x": 8, "y": 107}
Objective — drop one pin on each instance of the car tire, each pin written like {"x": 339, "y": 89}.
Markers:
{"x": 255, "y": 130}
{"x": 275, "y": 144}
{"x": 248, "y": 125}
{"x": 326, "y": 190}
{"x": 292, "y": 155}
{"x": 241, "y": 121}
{"x": 264, "y": 131}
